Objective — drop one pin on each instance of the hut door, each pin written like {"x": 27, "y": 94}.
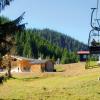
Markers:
{"x": 49, "y": 67}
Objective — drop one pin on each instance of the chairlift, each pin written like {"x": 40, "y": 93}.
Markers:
{"x": 94, "y": 35}
{"x": 94, "y": 40}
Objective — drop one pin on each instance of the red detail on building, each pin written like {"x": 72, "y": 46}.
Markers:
{"x": 83, "y": 52}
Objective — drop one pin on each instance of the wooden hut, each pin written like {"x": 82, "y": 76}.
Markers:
{"x": 42, "y": 65}
{"x": 33, "y": 65}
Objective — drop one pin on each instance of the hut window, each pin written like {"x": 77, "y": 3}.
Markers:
{"x": 26, "y": 69}
{"x": 14, "y": 59}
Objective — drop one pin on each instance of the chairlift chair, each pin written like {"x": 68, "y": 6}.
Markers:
{"x": 94, "y": 46}
{"x": 94, "y": 40}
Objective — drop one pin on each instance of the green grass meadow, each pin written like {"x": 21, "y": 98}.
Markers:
{"x": 92, "y": 64}
{"x": 52, "y": 87}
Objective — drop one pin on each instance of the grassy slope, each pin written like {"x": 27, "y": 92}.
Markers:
{"x": 53, "y": 87}
{"x": 85, "y": 87}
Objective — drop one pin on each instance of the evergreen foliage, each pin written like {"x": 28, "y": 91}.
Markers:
{"x": 4, "y": 3}
{"x": 7, "y": 31}
{"x": 46, "y": 43}
{"x": 61, "y": 40}
{"x": 31, "y": 44}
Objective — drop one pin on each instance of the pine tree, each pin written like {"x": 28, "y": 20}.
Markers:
{"x": 7, "y": 32}
{"x": 64, "y": 58}
{"x": 4, "y": 3}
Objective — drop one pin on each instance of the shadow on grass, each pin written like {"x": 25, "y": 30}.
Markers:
{"x": 25, "y": 79}
{"x": 91, "y": 67}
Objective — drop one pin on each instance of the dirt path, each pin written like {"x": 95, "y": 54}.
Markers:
{"x": 76, "y": 69}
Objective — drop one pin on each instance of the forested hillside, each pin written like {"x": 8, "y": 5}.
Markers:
{"x": 31, "y": 45}
{"x": 48, "y": 44}
{"x": 35, "y": 43}
{"x": 61, "y": 40}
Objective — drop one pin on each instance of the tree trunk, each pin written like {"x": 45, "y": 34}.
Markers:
{"x": 9, "y": 70}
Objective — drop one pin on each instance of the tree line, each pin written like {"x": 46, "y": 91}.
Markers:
{"x": 32, "y": 45}
{"x": 61, "y": 40}
{"x": 47, "y": 44}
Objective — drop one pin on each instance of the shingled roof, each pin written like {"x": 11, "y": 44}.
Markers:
{"x": 36, "y": 61}
{"x": 32, "y": 61}
{"x": 21, "y": 58}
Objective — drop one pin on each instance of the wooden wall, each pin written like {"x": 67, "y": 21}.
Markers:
{"x": 36, "y": 68}
{"x": 25, "y": 65}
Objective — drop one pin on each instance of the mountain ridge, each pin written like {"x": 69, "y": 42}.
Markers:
{"x": 60, "y": 39}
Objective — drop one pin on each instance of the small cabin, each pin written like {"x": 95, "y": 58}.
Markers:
{"x": 32, "y": 65}
{"x": 83, "y": 55}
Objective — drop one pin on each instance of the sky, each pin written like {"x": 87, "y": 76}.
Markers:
{"x": 71, "y": 17}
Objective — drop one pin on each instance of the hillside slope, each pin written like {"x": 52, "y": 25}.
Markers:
{"x": 60, "y": 39}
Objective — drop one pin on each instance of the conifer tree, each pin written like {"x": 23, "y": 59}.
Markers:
{"x": 4, "y": 3}
{"x": 7, "y": 32}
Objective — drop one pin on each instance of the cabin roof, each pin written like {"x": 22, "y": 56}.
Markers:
{"x": 83, "y": 52}
{"x": 36, "y": 61}
{"x": 32, "y": 61}
{"x": 21, "y": 58}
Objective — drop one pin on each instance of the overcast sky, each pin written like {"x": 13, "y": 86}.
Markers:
{"x": 71, "y": 17}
